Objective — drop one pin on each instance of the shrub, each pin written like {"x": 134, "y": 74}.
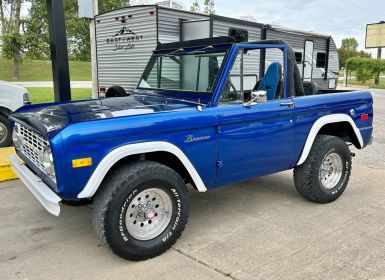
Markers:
{"x": 366, "y": 68}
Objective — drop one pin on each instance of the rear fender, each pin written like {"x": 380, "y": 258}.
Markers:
{"x": 334, "y": 118}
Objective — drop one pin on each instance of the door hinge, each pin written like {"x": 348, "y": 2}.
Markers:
{"x": 219, "y": 130}
{"x": 219, "y": 164}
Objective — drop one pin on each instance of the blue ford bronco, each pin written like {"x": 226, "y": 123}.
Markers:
{"x": 207, "y": 113}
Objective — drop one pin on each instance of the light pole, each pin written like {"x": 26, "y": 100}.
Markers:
{"x": 59, "y": 53}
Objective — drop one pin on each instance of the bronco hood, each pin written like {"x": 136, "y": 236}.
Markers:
{"x": 47, "y": 118}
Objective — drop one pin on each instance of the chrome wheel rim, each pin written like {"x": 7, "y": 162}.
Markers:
{"x": 148, "y": 214}
{"x": 331, "y": 170}
{"x": 3, "y": 132}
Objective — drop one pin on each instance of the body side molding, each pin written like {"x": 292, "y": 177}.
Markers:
{"x": 334, "y": 118}
{"x": 132, "y": 149}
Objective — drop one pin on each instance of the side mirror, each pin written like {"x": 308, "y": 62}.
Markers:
{"x": 256, "y": 97}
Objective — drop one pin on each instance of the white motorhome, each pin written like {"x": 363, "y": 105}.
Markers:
{"x": 126, "y": 37}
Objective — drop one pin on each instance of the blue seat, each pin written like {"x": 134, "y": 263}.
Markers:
{"x": 272, "y": 80}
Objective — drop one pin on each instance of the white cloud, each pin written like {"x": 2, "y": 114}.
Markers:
{"x": 340, "y": 19}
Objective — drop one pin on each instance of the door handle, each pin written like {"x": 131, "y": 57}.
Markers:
{"x": 288, "y": 104}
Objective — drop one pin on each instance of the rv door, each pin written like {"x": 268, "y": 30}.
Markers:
{"x": 308, "y": 61}
{"x": 195, "y": 29}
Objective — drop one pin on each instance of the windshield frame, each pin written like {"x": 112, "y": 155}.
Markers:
{"x": 186, "y": 51}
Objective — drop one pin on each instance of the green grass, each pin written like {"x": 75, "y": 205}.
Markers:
{"x": 369, "y": 83}
{"x": 45, "y": 95}
{"x": 41, "y": 70}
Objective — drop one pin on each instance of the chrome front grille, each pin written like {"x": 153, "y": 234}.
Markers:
{"x": 32, "y": 145}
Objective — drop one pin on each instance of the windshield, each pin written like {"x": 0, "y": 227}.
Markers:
{"x": 193, "y": 72}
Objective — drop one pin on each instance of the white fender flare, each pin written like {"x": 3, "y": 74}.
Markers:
{"x": 334, "y": 118}
{"x": 133, "y": 149}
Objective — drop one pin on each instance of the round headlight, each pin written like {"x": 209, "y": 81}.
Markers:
{"x": 47, "y": 160}
{"x": 14, "y": 138}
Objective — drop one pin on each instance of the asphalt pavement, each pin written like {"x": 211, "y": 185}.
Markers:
{"x": 258, "y": 229}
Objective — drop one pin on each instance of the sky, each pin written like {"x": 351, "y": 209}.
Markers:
{"x": 339, "y": 18}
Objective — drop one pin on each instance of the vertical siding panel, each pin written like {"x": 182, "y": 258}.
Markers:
{"x": 169, "y": 29}
{"x": 124, "y": 67}
{"x": 251, "y": 61}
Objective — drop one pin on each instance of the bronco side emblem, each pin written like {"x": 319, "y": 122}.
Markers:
{"x": 192, "y": 138}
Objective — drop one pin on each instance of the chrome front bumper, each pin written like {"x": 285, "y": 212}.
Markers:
{"x": 48, "y": 198}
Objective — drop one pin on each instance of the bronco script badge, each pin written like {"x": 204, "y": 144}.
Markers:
{"x": 192, "y": 138}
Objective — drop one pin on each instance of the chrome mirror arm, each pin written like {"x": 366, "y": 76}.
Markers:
{"x": 256, "y": 97}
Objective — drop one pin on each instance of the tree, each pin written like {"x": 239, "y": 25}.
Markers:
{"x": 349, "y": 49}
{"x": 376, "y": 67}
{"x": 364, "y": 54}
{"x": 362, "y": 68}
{"x": 2, "y": 16}
{"x": 366, "y": 68}
{"x": 209, "y": 7}
{"x": 78, "y": 33}
{"x": 108, "y": 5}
{"x": 36, "y": 37}
{"x": 195, "y": 7}
{"x": 343, "y": 56}
{"x": 349, "y": 44}
{"x": 10, "y": 26}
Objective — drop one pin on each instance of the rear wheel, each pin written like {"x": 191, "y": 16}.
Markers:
{"x": 141, "y": 210}
{"x": 323, "y": 177}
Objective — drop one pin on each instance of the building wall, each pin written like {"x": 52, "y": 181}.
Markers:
{"x": 120, "y": 61}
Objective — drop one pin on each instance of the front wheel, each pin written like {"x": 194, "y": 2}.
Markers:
{"x": 323, "y": 177}
{"x": 5, "y": 132}
{"x": 141, "y": 210}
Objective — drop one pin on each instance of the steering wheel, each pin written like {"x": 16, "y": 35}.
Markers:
{"x": 227, "y": 94}
{"x": 232, "y": 86}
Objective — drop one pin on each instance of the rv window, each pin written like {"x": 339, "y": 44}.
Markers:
{"x": 321, "y": 60}
{"x": 239, "y": 35}
{"x": 298, "y": 57}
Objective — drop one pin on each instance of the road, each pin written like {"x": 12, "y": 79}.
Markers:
{"x": 49, "y": 84}
{"x": 374, "y": 155}
{"x": 258, "y": 229}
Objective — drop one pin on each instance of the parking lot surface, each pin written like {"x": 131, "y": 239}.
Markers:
{"x": 258, "y": 229}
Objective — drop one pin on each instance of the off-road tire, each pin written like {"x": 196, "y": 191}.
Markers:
{"x": 116, "y": 193}
{"x": 7, "y": 139}
{"x": 115, "y": 91}
{"x": 307, "y": 175}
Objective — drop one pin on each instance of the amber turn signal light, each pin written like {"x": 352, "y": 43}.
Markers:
{"x": 81, "y": 162}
